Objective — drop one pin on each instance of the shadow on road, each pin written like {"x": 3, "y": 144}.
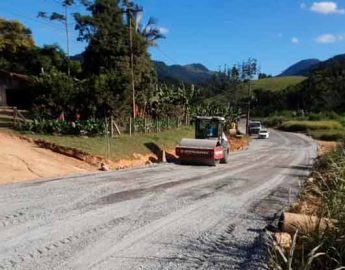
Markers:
{"x": 297, "y": 167}
{"x": 158, "y": 154}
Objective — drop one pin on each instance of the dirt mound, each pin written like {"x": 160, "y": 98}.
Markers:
{"x": 23, "y": 160}
{"x": 325, "y": 147}
{"x": 238, "y": 143}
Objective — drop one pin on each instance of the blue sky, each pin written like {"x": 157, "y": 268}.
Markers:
{"x": 276, "y": 32}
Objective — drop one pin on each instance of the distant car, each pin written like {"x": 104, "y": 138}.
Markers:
{"x": 263, "y": 134}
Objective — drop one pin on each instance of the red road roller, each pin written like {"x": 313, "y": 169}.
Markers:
{"x": 210, "y": 146}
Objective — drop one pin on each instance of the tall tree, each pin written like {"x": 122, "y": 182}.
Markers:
{"x": 106, "y": 58}
{"x": 16, "y": 44}
{"x": 118, "y": 48}
{"x": 105, "y": 32}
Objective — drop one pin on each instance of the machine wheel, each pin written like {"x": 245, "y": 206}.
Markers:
{"x": 225, "y": 160}
{"x": 215, "y": 162}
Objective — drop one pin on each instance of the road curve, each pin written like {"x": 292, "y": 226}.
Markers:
{"x": 161, "y": 217}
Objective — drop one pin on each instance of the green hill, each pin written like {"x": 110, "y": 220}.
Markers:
{"x": 302, "y": 68}
{"x": 277, "y": 83}
{"x": 193, "y": 73}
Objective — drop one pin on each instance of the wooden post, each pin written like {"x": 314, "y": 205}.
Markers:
{"x": 15, "y": 116}
{"x": 107, "y": 137}
{"x": 130, "y": 126}
{"x": 112, "y": 126}
{"x": 117, "y": 129}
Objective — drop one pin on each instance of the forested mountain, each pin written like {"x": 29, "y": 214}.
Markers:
{"x": 325, "y": 87}
{"x": 301, "y": 68}
{"x": 322, "y": 91}
{"x": 192, "y": 74}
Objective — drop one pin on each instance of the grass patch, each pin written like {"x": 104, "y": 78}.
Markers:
{"x": 326, "y": 130}
{"x": 277, "y": 83}
{"x": 328, "y": 135}
{"x": 322, "y": 249}
{"x": 273, "y": 121}
{"x": 122, "y": 147}
{"x": 305, "y": 126}
{"x": 327, "y": 126}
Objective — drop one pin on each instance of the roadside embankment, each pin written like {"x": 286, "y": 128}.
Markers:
{"x": 28, "y": 157}
{"x": 22, "y": 160}
{"x": 312, "y": 231}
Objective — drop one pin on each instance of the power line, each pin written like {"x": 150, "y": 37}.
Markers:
{"x": 24, "y": 17}
{"x": 167, "y": 56}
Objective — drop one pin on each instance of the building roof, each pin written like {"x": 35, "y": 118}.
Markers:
{"x": 215, "y": 118}
{"x": 15, "y": 76}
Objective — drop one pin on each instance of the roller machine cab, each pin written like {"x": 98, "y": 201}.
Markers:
{"x": 210, "y": 145}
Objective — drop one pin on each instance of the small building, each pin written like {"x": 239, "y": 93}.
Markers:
{"x": 10, "y": 81}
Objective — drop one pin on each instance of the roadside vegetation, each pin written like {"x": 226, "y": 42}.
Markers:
{"x": 122, "y": 147}
{"x": 277, "y": 83}
{"x": 304, "y": 126}
{"x": 323, "y": 195}
{"x": 328, "y": 126}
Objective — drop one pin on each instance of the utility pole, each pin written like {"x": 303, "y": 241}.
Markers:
{"x": 248, "y": 108}
{"x": 67, "y": 39}
{"x": 132, "y": 62}
{"x": 249, "y": 69}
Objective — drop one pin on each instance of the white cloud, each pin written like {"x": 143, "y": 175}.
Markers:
{"x": 326, "y": 8}
{"x": 164, "y": 30}
{"x": 295, "y": 40}
{"x": 329, "y": 38}
{"x": 326, "y": 38}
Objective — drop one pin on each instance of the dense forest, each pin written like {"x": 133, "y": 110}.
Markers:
{"x": 322, "y": 91}
{"x": 116, "y": 76}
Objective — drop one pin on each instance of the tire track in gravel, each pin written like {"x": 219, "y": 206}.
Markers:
{"x": 19, "y": 217}
{"x": 70, "y": 240}
{"x": 169, "y": 216}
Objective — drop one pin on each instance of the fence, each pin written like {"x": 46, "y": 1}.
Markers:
{"x": 12, "y": 117}
{"x": 92, "y": 127}
{"x": 143, "y": 125}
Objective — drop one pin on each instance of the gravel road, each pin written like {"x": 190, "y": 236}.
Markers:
{"x": 162, "y": 217}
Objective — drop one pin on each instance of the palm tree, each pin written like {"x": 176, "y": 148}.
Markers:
{"x": 63, "y": 18}
{"x": 150, "y": 32}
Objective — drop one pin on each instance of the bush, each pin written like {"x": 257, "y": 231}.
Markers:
{"x": 328, "y": 135}
{"x": 323, "y": 116}
{"x": 305, "y": 126}
{"x": 274, "y": 121}
{"x": 87, "y": 127}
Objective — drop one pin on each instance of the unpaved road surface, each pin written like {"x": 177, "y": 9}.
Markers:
{"x": 21, "y": 160}
{"x": 161, "y": 217}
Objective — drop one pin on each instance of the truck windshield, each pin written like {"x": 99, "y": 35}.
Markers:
{"x": 206, "y": 129}
{"x": 254, "y": 124}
